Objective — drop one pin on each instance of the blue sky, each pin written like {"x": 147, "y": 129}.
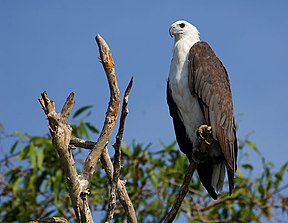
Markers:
{"x": 49, "y": 45}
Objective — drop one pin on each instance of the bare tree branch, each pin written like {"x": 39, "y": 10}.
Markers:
{"x": 112, "y": 111}
{"x": 68, "y": 106}
{"x": 181, "y": 194}
{"x": 50, "y": 220}
{"x": 62, "y": 141}
{"x": 204, "y": 141}
{"x": 117, "y": 156}
{"x": 61, "y": 135}
{"x": 121, "y": 190}
{"x": 82, "y": 143}
{"x": 108, "y": 167}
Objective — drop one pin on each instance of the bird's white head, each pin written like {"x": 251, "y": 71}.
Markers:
{"x": 183, "y": 29}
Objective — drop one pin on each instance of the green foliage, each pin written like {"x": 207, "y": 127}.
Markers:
{"x": 33, "y": 185}
{"x": 30, "y": 183}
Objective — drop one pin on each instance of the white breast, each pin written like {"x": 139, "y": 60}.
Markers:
{"x": 190, "y": 111}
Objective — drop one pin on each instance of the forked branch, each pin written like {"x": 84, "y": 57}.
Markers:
{"x": 61, "y": 137}
{"x": 122, "y": 193}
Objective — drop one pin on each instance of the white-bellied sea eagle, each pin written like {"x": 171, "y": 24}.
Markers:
{"x": 198, "y": 93}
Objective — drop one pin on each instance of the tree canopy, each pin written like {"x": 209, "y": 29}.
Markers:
{"x": 33, "y": 184}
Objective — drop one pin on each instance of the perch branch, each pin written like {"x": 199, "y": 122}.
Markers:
{"x": 117, "y": 156}
{"x": 204, "y": 140}
{"x": 112, "y": 111}
{"x": 61, "y": 135}
{"x": 181, "y": 193}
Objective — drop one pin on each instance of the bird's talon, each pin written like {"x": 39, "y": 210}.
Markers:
{"x": 204, "y": 132}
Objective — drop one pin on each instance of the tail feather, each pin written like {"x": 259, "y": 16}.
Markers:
{"x": 212, "y": 176}
{"x": 205, "y": 172}
{"x": 218, "y": 176}
{"x": 230, "y": 180}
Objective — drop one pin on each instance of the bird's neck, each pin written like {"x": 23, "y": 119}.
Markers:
{"x": 182, "y": 46}
{"x": 187, "y": 38}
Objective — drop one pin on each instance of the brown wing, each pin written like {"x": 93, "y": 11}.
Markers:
{"x": 208, "y": 80}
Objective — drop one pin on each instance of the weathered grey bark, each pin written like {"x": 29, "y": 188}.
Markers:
{"x": 117, "y": 155}
{"x": 50, "y": 220}
{"x": 61, "y": 135}
{"x": 122, "y": 193}
{"x": 62, "y": 140}
{"x": 112, "y": 111}
{"x": 121, "y": 190}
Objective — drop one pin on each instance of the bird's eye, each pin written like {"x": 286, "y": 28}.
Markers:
{"x": 182, "y": 25}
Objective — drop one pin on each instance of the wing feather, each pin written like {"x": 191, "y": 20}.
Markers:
{"x": 208, "y": 79}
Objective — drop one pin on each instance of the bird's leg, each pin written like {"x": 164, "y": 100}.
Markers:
{"x": 203, "y": 140}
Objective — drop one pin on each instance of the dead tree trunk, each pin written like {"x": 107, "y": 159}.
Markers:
{"x": 78, "y": 183}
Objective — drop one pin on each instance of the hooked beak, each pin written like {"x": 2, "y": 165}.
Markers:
{"x": 170, "y": 31}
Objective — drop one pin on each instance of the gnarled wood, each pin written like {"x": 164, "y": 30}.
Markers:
{"x": 112, "y": 110}
{"x": 62, "y": 141}
{"x": 61, "y": 135}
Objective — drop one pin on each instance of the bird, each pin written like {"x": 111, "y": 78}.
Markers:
{"x": 198, "y": 93}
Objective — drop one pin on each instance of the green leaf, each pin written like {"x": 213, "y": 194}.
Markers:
{"x": 22, "y": 136}
{"x": 32, "y": 184}
{"x": 247, "y": 166}
{"x": 24, "y": 152}
{"x": 126, "y": 150}
{"x": 40, "y": 140}
{"x": 13, "y": 147}
{"x": 13, "y": 173}
{"x": 261, "y": 190}
{"x": 240, "y": 173}
{"x": 33, "y": 156}
{"x": 91, "y": 127}
{"x": 40, "y": 157}
{"x": 279, "y": 174}
{"x": 83, "y": 130}
{"x": 270, "y": 164}
{"x": 153, "y": 178}
{"x": 137, "y": 150}
{"x": 167, "y": 148}
{"x": 81, "y": 110}
{"x": 16, "y": 185}
{"x": 253, "y": 146}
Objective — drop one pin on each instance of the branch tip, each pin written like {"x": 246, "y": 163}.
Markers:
{"x": 68, "y": 106}
{"x": 127, "y": 91}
